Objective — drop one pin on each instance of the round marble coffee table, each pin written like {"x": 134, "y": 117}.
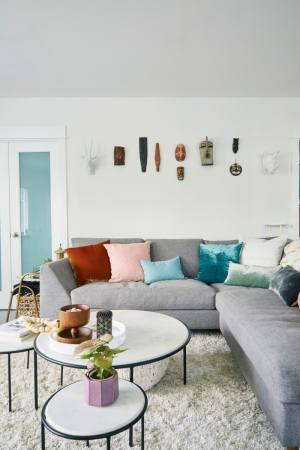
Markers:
{"x": 9, "y": 347}
{"x": 67, "y": 414}
{"x": 150, "y": 337}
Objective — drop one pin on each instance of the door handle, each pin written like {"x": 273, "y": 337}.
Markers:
{"x": 15, "y": 235}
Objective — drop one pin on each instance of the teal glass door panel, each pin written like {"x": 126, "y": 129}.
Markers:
{"x": 35, "y": 209}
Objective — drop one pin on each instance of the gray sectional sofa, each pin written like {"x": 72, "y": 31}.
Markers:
{"x": 262, "y": 332}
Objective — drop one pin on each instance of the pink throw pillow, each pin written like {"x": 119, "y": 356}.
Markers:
{"x": 125, "y": 261}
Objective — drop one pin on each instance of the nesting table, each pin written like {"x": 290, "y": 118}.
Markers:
{"x": 66, "y": 414}
{"x": 9, "y": 347}
{"x": 150, "y": 337}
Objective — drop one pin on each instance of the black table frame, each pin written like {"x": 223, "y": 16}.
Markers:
{"x": 107, "y": 436}
{"x": 130, "y": 366}
{"x": 9, "y": 353}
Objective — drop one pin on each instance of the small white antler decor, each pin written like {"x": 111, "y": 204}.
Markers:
{"x": 270, "y": 162}
{"x": 91, "y": 158}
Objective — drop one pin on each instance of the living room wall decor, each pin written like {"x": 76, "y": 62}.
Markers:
{"x": 235, "y": 169}
{"x": 157, "y": 157}
{"x": 180, "y": 173}
{"x": 143, "y": 144}
{"x": 119, "y": 156}
{"x": 180, "y": 152}
{"x": 206, "y": 152}
{"x": 269, "y": 162}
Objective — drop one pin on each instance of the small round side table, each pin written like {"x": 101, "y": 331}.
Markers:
{"x": 9, "y": 347}
{"x": 66, "y": 414}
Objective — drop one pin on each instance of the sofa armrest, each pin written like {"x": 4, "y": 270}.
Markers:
{"x": 56, "y": 283}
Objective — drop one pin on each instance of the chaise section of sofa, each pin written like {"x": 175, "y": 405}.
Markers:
{"x": 264, "y": 335}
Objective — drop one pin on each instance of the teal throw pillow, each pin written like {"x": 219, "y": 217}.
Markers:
{"x": 249, "y": 276}
{"x": 215, "y": 259}
{"x": 162, "y": 270}
{"x": 286, "y": 284}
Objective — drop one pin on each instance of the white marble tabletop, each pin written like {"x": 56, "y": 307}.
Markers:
{"x": 68, "y": 412}
{"x": 149, "y": 335}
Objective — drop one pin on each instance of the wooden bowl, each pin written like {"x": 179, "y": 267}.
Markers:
{"x": 81, "y": 334}
{"x": 70, "y": 318}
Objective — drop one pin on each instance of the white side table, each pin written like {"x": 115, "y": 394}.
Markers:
{"x": 9, "y": 347}
{"x": 66, "y": 414}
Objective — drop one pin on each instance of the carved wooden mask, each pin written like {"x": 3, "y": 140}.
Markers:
{"x": 180, "y": 152}
{"x": 119, "y": 156}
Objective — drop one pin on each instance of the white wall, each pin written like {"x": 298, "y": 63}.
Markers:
{"x": 210, "y": 203}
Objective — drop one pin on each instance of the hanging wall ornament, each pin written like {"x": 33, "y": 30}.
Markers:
{"x": 235, "y": 169}
{"x": 180, "y": 173}
{"x": 206, "y": 152}
{"x": 180, "y": 152}
{"x": 157, "y": 157}
{"x": 119, "y": 156}
{"x": 143, "y": 143}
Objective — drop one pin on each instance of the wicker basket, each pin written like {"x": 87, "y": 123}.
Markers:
{"x": 28, "y": 303}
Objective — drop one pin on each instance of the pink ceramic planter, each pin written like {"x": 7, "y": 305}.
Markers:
{"x": 101, "y": 392}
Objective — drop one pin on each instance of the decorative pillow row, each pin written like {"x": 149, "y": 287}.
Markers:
{"x": 122, "y": 262}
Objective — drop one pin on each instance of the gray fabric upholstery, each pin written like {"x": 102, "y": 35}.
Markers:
{"x": 57, "y": 282}
{"x": 269, "y": 333}
{"x": 175, "y": 294}
{"x": 232, "y": 241}
{"x": 221, "y": 287}
{"x": 79, "y": 242}
{"x": 205, "y": 319}
{"x": 187, "y": 249}
{"x": 283, "y": 416}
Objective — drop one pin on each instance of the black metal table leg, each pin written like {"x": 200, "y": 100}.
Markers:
{"x": 87, "y": 443}
{"x": 142, "y": 433}
{"x": 131, "y": 374}
{"x": 184, "y": 365}
{"x": 35, "y": 379}
{"x": 131, "y": 428}
{"x": 9, "y": 382}
{"x": 28, "y": 356}
{"x": 61, "y": 375}
{"x": 108, "y": 443}
{"x": 43, "y": 436}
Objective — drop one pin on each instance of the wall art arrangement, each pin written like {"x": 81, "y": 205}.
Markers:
{"x": 235, "y": 169}
{"x": 206, "y": 152}
{"x": 119, "y": 156}
{"x": 269, "y": 162}
{"x": 143, "y": 146}
{"x": 157, "y": 158}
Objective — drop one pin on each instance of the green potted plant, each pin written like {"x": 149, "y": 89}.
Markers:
{"x": 101, "y": 379}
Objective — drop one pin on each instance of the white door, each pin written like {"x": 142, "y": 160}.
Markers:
{"x": 33, "y": 207}
{"x": 5, "y": 257}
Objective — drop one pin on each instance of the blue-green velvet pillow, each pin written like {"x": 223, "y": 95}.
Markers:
{"x": 162, "y": 270}
{"x": 215, "y": 259}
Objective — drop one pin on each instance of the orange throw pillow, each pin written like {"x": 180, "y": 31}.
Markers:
{"x": 90, "y": 263}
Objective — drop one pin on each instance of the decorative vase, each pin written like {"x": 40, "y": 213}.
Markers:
{"x": 101, "y": 392}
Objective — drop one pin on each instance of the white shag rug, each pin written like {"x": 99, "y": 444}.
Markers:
{"x": 216, "y": 410}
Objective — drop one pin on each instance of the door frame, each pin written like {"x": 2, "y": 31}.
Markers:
{"x": 14, "y": 136}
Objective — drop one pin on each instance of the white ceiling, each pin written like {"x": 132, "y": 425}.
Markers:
{"x": 203, "y": 48}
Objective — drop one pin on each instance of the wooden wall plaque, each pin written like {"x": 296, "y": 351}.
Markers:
{"x": 119, "y": 156}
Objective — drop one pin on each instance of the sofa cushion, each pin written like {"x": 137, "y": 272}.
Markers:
{"x": 187, "y": 249}
{"x": 269, "y": 333}
{"x": 78, "y": 242}
{"x": 170, "y": 294}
